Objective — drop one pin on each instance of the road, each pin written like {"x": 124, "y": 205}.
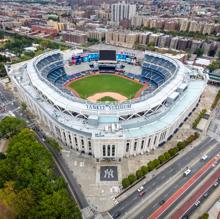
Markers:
{"x": 163, "y": 177}
{"x": 155, "y": 204}
{"x": 206, "y": 188}
{"x": 159, "y": 213}
{"x": 64, "y": 170}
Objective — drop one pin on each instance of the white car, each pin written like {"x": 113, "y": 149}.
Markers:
{"x": 216, "y": 184}
{"x": 187, "y": 172}
{"x": 140, "y": 189}
{"x": 204, "y": 157}
{"x": 197, "y": 203}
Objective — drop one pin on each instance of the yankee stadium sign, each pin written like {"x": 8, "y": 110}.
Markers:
{"x": 108, "y": 107}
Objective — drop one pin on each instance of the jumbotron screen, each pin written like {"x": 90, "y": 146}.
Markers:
{"x": 105, "y": 55}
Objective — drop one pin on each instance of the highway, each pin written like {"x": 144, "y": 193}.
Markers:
{"x": 155, "y": 204}
{"x": 205, "y": 189}
{"x": 160, "y": 179}
{"x": 184, "y": 189}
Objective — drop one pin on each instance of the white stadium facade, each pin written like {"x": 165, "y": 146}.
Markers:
{"x": 109, "y": 130}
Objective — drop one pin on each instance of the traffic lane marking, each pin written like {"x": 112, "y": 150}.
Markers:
{"x": 178, "y": 193}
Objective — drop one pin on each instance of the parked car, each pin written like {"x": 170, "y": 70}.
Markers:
{"x": 216, "y": 184}
{"x": 206, "y": 195}
{"x": 197, "y": 203}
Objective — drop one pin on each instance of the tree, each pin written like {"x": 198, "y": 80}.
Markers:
{"x": 204, "y": 216}
{"x": 45, "y": 44}
{"x": 53, "y": 143}
{"x": 29, "y": 54}
{"x": 196, "y": 135}
{"x": 4, "y": 59}
{"x": 10, "y": 126}
{"x": 17, "y": 44}
{"x": 24, "y": 201}
{"x": 23, "y": 106}
{"x": 8, "y": 195}
{"x": 214, "y": 65}
{"x": 199, "y": 52}
{"x": 139, "y": 174}
{"x": 216, "y": 100}
{"x": 167, "y": 155}
{"x": 19, "y": 202}
{"x": 57, "y": 205}
{"x": 2, "y": 156}
{"x": 93, "y": 40}
{"x": 125, "y": 182}
{"x": 36, "y": 186}
{"x": 132, "y": 178}
{"x": 161, "y": 158}
{"x": 150, "y": 166}
{"x": 3, "y": 71}
{"x": 173, "y": 151}
{"x": 156, "y": 163}
{"x": 180, "y": 145}
{"x": 144, "y": 170}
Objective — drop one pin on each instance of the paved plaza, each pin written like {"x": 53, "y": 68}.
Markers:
{"x": 108, "y": 173}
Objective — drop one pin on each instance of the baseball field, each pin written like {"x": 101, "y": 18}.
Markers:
{"x": 104, "y": 86}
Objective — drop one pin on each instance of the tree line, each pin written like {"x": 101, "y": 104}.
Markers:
{"x": 198, "y": 119}
{"x": 29, "y": 183}
{"x": 156, "y": 163}
{"x": 16, "y": 45}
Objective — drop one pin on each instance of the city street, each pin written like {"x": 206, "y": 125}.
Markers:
{"x": 198, "y": 196}
{"x": 187, "y": 187}
{"x": 163, "y": 177}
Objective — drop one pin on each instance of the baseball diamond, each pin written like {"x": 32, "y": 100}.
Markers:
{"x": 90, "y": 85}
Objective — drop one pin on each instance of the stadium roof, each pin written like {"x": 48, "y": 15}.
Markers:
{"x": 194, "y": 91}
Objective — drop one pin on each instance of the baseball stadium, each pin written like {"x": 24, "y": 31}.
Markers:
{"x": 108, "y": 104}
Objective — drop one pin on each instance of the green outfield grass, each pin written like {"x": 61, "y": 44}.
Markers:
{"x": 91, "y": 85}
